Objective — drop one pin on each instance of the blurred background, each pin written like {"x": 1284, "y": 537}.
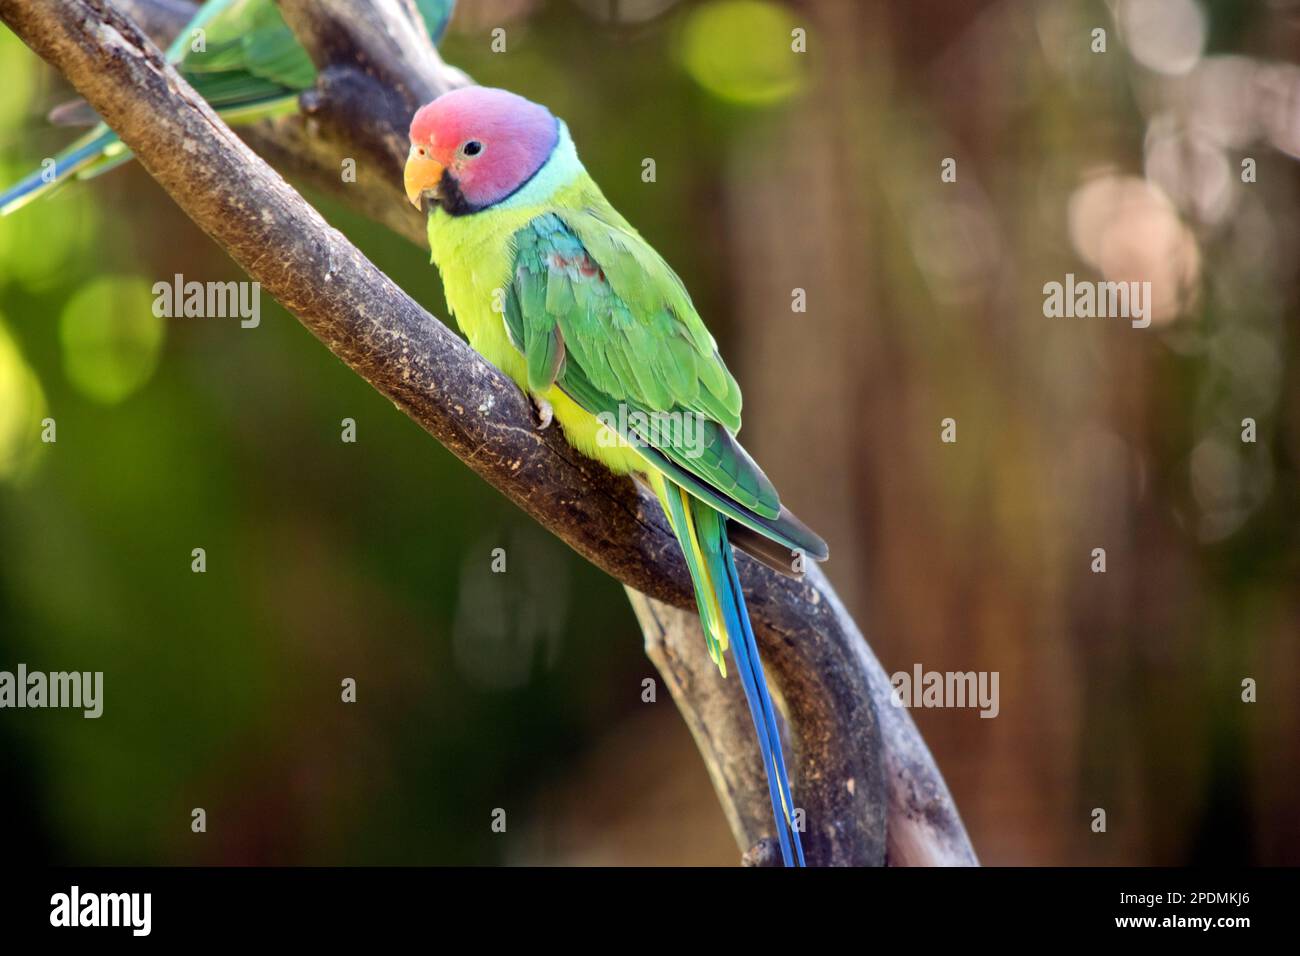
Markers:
{"x": 774, "y": 171}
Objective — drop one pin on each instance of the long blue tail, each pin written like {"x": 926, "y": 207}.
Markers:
{"x": 91, "y": 153}
{"x": 80, "y": 155}
{"x": 702, "y": 533}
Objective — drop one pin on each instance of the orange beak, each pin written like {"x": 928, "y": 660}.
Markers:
{"x": 422, "y": 174}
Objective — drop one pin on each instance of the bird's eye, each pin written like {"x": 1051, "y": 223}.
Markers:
{"x": 422, "y": 151}
{"x": 472, "y": 148}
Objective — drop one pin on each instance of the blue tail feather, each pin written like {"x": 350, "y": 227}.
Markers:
{"x": 78, "y": 156}
{"x": 718, "y": 572}
{"x": 782, "y": 798}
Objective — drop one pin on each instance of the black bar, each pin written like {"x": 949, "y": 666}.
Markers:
{"x": 210, "y": 905}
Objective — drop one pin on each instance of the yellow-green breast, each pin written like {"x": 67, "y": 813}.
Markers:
{"x": 475, "y": 255}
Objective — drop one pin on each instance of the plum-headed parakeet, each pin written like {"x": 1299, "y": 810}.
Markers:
{"x": 555, "y": 288}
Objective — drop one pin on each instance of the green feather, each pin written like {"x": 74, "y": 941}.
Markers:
{"x": 250, "y": 67}
{"x": 615, "y": 328}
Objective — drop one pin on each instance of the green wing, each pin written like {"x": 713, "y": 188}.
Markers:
{"x": 250, "y": 67}
{"x": 596, "y": 311}
{"x": 436, "y": 15}
{"x": 251, "y": 58}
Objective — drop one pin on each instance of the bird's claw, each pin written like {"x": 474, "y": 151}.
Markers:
{"x": 545, "y": 413}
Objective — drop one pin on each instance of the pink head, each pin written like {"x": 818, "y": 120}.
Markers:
{"x": 473, "y": 147}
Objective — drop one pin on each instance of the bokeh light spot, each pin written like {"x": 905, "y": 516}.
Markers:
{"x": 1167, "y": 36}
{"x": 22, "y": 406}
{"x": 1129, "y": 230}
{"x": 740, "y": 51}
{"x": 111, "y": 338}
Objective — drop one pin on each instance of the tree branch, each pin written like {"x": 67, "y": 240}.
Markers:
{"x": 851, "y": 748}
{"x": 160, "y": 20}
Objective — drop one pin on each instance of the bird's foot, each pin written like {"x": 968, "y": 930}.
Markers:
{"x": 545, "y": 413}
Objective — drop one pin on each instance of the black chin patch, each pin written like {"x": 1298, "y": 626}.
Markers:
{"x": 451, "y": 198}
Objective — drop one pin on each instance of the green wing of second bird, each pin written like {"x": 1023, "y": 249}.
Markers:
{"x": 246, "y": 63}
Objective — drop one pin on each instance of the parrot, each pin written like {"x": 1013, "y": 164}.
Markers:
{"x": 550, "y": 284}
{"x": 250, "y": 67}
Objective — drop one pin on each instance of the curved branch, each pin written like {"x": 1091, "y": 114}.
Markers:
{"x": 855, "y": 757}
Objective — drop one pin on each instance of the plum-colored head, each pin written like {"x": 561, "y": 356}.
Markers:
{"x": 473, "y": 147}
